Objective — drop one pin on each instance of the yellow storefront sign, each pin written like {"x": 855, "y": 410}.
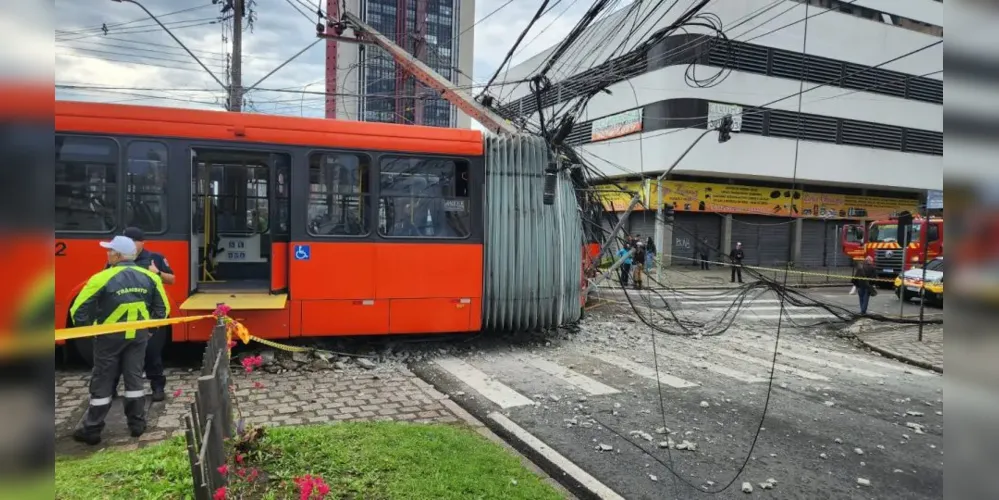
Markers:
{"x": 739, "y": 199}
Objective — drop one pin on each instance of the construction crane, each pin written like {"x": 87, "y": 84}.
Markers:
{"x": 363, "y": 33}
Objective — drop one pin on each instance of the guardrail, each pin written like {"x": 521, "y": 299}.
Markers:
{"x": 210, "y": 421}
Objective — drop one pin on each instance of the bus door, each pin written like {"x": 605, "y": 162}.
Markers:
{"x": 235, "y": 209}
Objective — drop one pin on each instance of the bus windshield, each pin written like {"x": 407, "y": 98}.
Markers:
{"x": 882, "y": 233}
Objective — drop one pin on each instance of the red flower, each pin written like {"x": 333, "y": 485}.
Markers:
{"x": 258, "y": 385}
{"x": 239, "y": 458}
{"x": 241, "y": 472}
{"x": 251, "y": 362}
{"x": 307, "y": 484}
{"x": 223, "y": 469}
{"x": 253, "y": 475}
{"x": 220, "y": 494}
{"x": 177, "y": 393}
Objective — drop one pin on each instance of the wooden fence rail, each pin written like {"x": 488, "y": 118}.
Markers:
{"x": 210, "y": 421}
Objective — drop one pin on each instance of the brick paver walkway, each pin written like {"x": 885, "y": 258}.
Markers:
{"x": 289, "y": 398}
{"x": 904, "y": 344}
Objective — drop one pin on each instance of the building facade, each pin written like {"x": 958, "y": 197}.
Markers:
{"x": 866, "y": 143}
{"x": 438, "y": 32}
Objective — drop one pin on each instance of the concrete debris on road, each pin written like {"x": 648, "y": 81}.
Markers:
{"x": 747, "y": 488}
{"x": 858, "y": 451}
{"x": 686, "y": 445}
{"x": 917, "y": 428}
{"x": 605, "y": 447}
{"x": 642, "y": 434}
{"x": 912, "y": 413}
{"x": 705, "y": 404}
{"x": 653, "y": 477}
{"x": 863, "y": 482}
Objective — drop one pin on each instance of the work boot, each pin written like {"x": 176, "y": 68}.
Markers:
{"x": 158, "y": 395}
{"x": 82, "y": 436}
{"x": 137, "y": 429}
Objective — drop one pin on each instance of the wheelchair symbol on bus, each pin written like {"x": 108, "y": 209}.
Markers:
{"x": 302, "y": 252}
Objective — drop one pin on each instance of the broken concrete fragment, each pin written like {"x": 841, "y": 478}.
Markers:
{"x": 366, "y": 363}
{"x": 863, "y": 482}
{"x": 705, "y": 404}
{"x": 918, "y": 428}
{"x": 858, "y": 451}
{"x": 747, "y": 488}
{"x": 604, "y": 447}
{"x": 652, "y": 477}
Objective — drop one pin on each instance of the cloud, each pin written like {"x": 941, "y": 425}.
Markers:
{"x": 137, "y": 61}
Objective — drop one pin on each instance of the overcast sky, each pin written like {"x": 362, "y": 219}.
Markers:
{"x": 86, "y": 56}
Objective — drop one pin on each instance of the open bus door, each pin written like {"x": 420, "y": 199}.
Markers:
{"x": 853, "y": 238}
{"x": 240, "y": 231}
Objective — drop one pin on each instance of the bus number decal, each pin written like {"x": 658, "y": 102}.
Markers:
{"x": 60, "y": 249}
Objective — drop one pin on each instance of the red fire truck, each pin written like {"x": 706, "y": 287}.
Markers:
{"x": 894, "y": 251}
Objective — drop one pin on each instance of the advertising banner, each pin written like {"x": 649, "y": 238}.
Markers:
{"x": 617, "y": 125}
{"x": 739, "y": 199}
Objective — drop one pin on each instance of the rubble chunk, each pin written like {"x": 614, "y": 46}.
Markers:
{"x": 747, "y": 488}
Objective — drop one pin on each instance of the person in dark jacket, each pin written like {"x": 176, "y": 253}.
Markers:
{"x": 123, "y": 292}
{"x": 639, "y": 257}
{"x": 862, "y": 279}
{"x": 736, "y": 256}
{"x": 158, "y": 337}
{"x": 650, "y": 252}
{"x": 625, "y": 268}
{"x": 702, "y": 253}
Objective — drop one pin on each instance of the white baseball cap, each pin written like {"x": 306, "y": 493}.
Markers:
{"x": 121, "y": 244}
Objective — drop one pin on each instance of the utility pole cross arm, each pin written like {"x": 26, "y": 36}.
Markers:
{"x": 427, "y": 76}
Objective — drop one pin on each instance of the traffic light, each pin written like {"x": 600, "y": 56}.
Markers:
{"x": 725, "y": 129}
{"x": 669, "y": 214}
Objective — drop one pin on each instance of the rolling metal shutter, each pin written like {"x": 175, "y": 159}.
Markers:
{"x": 766, "y": 241}
{"x": 814, "y": 243}
{"x": 642, "y": 223}
{"x": 687, "y": 229}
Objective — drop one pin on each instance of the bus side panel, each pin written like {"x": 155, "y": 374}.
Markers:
{"x": 433, "y": 287}
{"x": 334, "y": 271}
{"x": 266, "y": 324}
{"x": 279, "y": 266}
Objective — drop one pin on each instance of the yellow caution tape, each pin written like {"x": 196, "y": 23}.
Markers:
{"x": 283, "y": 347}
{"x": 780, "y": 269}
{"x": 95, "y": 330}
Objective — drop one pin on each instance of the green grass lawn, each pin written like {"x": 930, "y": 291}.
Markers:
{"x": 384, "y": 460}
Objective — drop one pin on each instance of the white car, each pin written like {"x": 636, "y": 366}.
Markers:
{"x": 907, "y": 286}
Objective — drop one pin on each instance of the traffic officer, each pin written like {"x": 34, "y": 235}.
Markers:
{"x": 156, "y": 263}
{"x": 122, "y": 292}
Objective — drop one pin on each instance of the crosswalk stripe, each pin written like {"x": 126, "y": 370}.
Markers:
{"x": 644, "y": 371}
{"x": 728, "y": 302}
{"x": 766, "y": 364}
{"x": 571, "y": 377}
{"x": 712, "y": 367}
{"x": 795, "y": 316}
{"x": 816, "y": 361}
{"x": 471, "y": 376}
{"x": 864, "y": 360}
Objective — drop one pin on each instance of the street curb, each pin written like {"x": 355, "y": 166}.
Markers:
{"x": 549, "y": 469}
{"x": 719, "y": 287}
{"x": 482, "y": 429}
{"x": 900, "y": 357}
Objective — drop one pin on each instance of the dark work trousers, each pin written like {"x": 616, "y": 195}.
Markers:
{"x": 737, "y": 270}
{"x": 114, "y": 356}
{"x": 154, "y": 359}
{"x": 625, "y": 273}
{"x": 704, "y": 261}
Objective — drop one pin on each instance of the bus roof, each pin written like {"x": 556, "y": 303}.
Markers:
{"x": 152, "y": 121}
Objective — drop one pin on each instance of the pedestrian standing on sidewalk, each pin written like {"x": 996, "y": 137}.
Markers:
{"x": 736, "y": 256}
{"x": 625, "y": 268}
{"x": 863, "y": 277}
{"x": 650, "y": 252}
{"x": 639, "y": 257}
{"x": 702, "y": 253}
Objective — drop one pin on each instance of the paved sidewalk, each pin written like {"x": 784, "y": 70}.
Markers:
{"x": 686, "y": 276}
{"x": 290, "y": 398}
{"x": 904, "y": 345}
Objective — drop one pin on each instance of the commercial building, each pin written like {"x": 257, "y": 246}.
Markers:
{"x": 439, "y": 32}
{"x": 871, "y": 141}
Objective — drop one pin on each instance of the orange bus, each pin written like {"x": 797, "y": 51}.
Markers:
{"x": 305, "y": 227}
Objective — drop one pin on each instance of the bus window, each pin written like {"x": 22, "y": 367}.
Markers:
{"x": 145, "y": 184}
{"x": 423, "y": 198}
{"x": 338, "y": 195}
{"x": 86, "y": 184}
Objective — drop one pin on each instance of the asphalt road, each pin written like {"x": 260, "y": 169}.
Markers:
{"x": 593, "y": 402}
